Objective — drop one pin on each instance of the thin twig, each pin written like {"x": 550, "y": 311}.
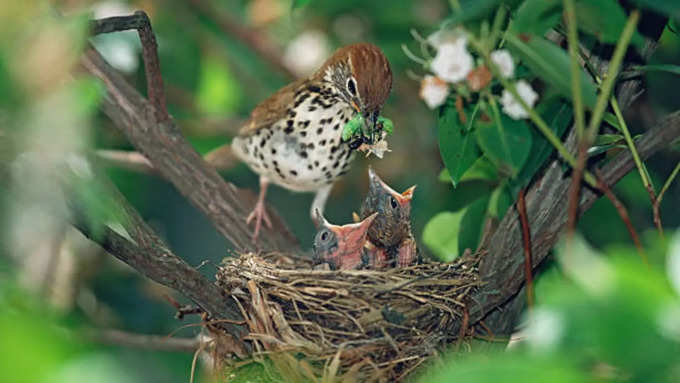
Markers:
{"x": 657, "y": 202}
{"x": 623, "y": 213}
{"x": 221, "y": 159}
{"x": 646, "y": 182}
{"x": 127, "y": 160}
{"x": 611, "y": 75}
{"x": 143, "y": 341}
{"x": 152, "y": 67}
{"x": 526, "y": 235}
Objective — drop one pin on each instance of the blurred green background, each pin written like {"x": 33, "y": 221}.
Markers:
{"x": 51, "y": 278}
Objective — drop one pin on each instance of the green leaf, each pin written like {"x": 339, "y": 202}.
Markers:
{"x": 457, "y": 144}
{"x": 603, "y": 19}
{"x": 558, "y": 115}
{"x": 440, "y": 235}
{"x": 472, "y": 224}
{"x": 500, "y": 201}
{"x": 668, "y": 7}
{"x": 606, "y": 139}
{"x": 469, "y": 191}
{"x": 481, "y": 169}
{"x": 535, "y": 17}
{"x": 387, "y": 124}
{"x": 506, "y": 142}
{"x": 668, "y": 68}
{"x": 551, "y": 64}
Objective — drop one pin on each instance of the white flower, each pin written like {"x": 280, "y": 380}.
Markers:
{"x": 433, "y": 91}
{"x": 447, "y": 36}
{"x": 453, "y": 62}
{"x": 306, "y": 52}
{"x": 504, "y": 61}
{"x": 512, "y": 107}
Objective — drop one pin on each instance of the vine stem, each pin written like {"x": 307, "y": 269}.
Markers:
{"x": 639, "y": 165}
{"x": 579, "y": 113}
{"x": 657, "y": 202}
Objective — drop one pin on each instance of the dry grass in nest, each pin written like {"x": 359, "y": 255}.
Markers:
{"x": 361, "y": 325}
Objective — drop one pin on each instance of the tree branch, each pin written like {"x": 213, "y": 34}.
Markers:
{"x": 135, "y": 243}
{"x": 152, "y": 66}
{"x": 161, "y": 142}
{"x": 142, "y": 341}
{"x": 502, "y": 269}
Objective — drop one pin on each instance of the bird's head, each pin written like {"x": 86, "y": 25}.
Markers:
{"x": 361, "y": 75}
{"x": 393, "y": 208}
{"x": 340, "y": 246}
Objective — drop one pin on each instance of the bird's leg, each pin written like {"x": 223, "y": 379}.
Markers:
{"x": 259, "y": 212}
{"x": 320, "y": 201}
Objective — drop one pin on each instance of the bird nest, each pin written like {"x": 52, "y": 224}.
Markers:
{"x": 364, "y": 324}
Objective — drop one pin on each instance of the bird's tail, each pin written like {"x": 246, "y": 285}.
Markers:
{"x": 222, "y": 158}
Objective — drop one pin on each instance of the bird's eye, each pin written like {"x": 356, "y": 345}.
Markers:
{"x": 351, "y": 87}
{"x": 393, "y": 203}
{"x": 324, "y": 236}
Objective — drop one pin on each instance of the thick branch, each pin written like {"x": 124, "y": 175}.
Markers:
{"x": 138, "y": 246}
{"x": 547, "y": 203}
{"x": 179, "y": 163}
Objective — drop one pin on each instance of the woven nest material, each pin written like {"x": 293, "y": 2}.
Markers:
{"x": 367, "y": 324}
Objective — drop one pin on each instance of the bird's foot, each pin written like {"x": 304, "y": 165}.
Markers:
{"x": 258, "y": 214}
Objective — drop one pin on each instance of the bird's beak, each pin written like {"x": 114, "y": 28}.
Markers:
{"x": 354, "y": 233}
{"x": 377, "y": 183}
{"x": 356, "y": 106}
{"x": 319, "y": 220}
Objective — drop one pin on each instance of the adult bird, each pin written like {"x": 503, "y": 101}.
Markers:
{"x": 294, "y": 138}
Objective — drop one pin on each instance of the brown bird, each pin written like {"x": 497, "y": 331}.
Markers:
{"x": 294, "y": 138}
{"x": 341, "y": 247}
{"x": 390, "y": 233}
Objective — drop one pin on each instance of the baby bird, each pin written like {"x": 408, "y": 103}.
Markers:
{"x": 341, "y": 247}
{"x": 390, "y": 234}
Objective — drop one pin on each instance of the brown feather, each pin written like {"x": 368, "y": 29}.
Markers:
{"x": 272, "y": 109}
{"x": 369, "y": 67}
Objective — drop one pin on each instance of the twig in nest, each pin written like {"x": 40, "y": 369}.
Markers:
{"x": 152, "y": 67}
{"x": 526, "y": 236}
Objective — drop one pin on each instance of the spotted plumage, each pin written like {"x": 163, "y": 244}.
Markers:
{"x": 294, "y": 138}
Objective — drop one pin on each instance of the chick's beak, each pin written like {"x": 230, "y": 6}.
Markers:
{"x": 355, "y": 233}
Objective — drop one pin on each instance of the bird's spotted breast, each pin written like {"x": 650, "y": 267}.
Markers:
{"x": 302, "y": 151}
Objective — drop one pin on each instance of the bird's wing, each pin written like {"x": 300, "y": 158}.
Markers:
{"x": 271, "y": 109}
